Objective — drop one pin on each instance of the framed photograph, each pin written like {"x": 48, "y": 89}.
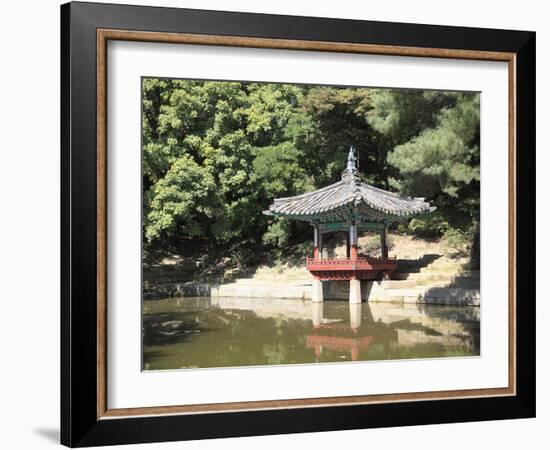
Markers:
{"x": 277, "y": 224}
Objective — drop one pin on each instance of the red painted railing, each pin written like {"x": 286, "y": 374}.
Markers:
{"x": 363, "y": 268}
{"x": 347, "y": 261}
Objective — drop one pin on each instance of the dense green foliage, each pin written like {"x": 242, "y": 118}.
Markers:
{"x": 215, "y": 154}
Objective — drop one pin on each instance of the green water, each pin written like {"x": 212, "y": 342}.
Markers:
{"x": 203, "y": 332}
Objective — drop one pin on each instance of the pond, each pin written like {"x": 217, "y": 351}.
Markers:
{"x": 185, "y": 333}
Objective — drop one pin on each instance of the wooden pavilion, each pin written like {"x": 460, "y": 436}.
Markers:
{"x": 351, "y": 206}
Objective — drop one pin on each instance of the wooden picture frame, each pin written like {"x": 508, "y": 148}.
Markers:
{"x": 85, "y": 416}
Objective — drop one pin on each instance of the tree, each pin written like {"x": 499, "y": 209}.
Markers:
{"x": 210, "y": 144}
{"x": 181, "y": 198}
{"x": 216, "y": 154}
{"x": 336, "y": 121}
{"x": 435, "y": 137}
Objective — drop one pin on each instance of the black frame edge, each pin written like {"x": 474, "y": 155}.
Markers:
{"x": 79, "y": 425}
{"x": 525, "y": 223}
{"x": 78, "y": 218}
{"x": 65, "y": 335}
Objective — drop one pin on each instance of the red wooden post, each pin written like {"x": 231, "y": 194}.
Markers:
{"x": 353, "y": 241}
{"x": 384, "y": 242}
{"x": 354, "y": 352}
{"x": 316, "y": 239}
{"x": 317, "y": 351}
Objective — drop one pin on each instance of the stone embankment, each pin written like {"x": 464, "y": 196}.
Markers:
{"x": 415, "y": 281}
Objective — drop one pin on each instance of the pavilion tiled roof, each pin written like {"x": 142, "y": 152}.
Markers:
{"x": 350, "y": 197}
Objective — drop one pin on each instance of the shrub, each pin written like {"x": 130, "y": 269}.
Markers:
{"x": 458, "y": 240}
{"x": 371, "y": 245}
{"x": 432, "y": 225}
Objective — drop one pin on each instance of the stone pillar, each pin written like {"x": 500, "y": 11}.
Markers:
{"x": 354, "y": 291}
{"x": 317, "y": 314}
{"x": 355, "y": 315}
{"x": 316, "y": 290}
{"x": 384, "y": 242}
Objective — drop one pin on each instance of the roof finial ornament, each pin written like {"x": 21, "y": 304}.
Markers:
{"x": 351, "y": 174}
{"x": 352, "y": 159}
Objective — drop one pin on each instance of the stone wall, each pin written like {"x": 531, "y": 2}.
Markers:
{"x": 379, "y": 291}
{"x": 415, "y": 281}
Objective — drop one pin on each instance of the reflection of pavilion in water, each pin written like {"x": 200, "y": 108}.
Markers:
{"x": 347, "y": 338}
{"x": 353, "y": 328}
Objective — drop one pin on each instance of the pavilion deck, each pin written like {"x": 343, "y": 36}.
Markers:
{"x": 361, "y": 267}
